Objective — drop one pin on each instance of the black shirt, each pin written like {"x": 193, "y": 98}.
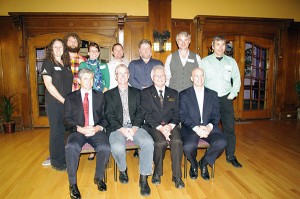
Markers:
{"x": 62, "y": 79}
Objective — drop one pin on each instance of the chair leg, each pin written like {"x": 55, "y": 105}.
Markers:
{"x": 115, "y": 171}
{"x": 185, "y": 167}
{"x": 213, "y": 171}
{"x": 105, "y": 173}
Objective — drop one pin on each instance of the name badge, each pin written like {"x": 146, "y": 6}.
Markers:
{"x": 102, "y": 67}
{"x": 191, "y": 60}
{"x": 228, "y": 67}
{"x": 57, "y": 68}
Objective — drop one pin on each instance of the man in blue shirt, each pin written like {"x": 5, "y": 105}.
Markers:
{"x": 140, "y": 69}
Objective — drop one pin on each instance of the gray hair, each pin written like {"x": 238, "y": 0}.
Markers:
{"x": 155, "y": 68}
{"x": 84, "y": 71}
{"x": 183, "y": 33}
{"x": 121, "y": 66}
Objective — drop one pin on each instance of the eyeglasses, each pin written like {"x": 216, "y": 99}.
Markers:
{"x": 160, "y": 76}
{"x": 120, "y": 74}
{"x": 94, "y": 51}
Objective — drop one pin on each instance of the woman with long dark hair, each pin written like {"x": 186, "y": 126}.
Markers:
{"x": 58, "y": 80}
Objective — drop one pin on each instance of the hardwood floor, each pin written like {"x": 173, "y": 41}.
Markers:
{"x": 269, "y": 151}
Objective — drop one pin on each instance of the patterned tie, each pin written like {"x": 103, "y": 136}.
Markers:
{"x": 161, "y": 98}
{"x": 86, "y": 109}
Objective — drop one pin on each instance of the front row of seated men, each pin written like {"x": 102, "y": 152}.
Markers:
{"x": 123, "y": 116}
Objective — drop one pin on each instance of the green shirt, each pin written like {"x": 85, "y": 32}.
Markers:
{"x": 218, "y": 75}
{"x": 98, "y": 67}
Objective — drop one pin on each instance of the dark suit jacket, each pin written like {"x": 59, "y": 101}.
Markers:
{"x": 154, "y": 113}
{"x": 114, "y": 109}
{"x": 73, "y": 110}
{"x": 190, "y": 112}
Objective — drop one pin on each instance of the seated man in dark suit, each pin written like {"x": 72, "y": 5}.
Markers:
{"x": 124, "y": 115}
{"x": 84, "y": 116}
{"x": 200, "y": 116}
{"x": 161, "y": 111}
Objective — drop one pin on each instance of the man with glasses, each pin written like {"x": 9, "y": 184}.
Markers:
{"x": 161, "y": 111}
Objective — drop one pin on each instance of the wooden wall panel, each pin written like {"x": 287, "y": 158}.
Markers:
{"x": 13, "y": 70}
{"x": 135, "y": 29}
{"x": 179, "y": 25}
{"x": 293, "y": 46}
{"x": 17, "y": 29}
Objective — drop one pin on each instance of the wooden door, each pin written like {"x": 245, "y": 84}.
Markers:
{"x": 36, "y": 49}
{"x": 255, "y": 58}
{"x": 255, "y": 99}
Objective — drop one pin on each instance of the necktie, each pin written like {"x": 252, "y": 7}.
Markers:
{"x": 161, "y": 98}
{"x": 86, "y": 109}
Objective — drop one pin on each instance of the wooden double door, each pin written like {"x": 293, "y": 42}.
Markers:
{"x": 255, "y": 58}
{"x": 36, "y": 49}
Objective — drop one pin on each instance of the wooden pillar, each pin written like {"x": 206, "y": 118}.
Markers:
{"x": 159, "y": 20}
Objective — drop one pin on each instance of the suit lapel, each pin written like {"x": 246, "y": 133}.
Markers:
{"x": 118, "y": 102}
{"x": 206, "y": 104}
{"x": 154, "y": 94}
{"x": 79, "y": 104}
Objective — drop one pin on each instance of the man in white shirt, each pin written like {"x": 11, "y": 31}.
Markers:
{"x": 179, "y": 65}
{"x": 118, "y": 58}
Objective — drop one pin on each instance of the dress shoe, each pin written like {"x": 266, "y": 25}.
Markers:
{"x": 178, "y": 183}
{"x": 155, "y": 179}
{"x": 101, "y": 184}
{"x": 235, "y": 163}
{"x": 193, "y": 173}
{"x": 136, "y": 153}
{"x": 123, "y": 177}
{"x": 145, "y": 189}
{"x": 74, "y": 192}
{"x": 204, "y": 170}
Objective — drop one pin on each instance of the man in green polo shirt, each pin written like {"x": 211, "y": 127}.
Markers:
{"x": 222, "y": 75}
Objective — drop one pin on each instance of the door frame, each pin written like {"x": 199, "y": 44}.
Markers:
{"x": 42, "y": 41}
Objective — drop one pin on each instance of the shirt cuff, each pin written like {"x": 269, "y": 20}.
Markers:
{"x": 230, "y": 96}
{"x": 158, "y": 127}
{"x": 195, "y": 128}
{"x": 211, "y": 126}
{"x": 172, "y": 125}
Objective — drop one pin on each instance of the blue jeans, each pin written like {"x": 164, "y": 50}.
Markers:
{"x": 141, "y": 138}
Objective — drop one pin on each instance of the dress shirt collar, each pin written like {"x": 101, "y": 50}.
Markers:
{"x": 163, "y": 90}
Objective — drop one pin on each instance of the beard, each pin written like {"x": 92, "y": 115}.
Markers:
{"x": 73, "y": 50}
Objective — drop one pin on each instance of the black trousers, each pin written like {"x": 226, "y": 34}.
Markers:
{"x": 227, "y": 119}
{"x": 217, "y": 142}
{"x": 160, "y": 147}
{"x": 99, "y": 142}
{"x": 56, "y": 136}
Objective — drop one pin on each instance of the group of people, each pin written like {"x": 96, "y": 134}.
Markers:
{"x": 152, "y": 105}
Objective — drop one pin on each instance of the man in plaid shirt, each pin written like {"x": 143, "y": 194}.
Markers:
{"x": 73, "y": 42}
